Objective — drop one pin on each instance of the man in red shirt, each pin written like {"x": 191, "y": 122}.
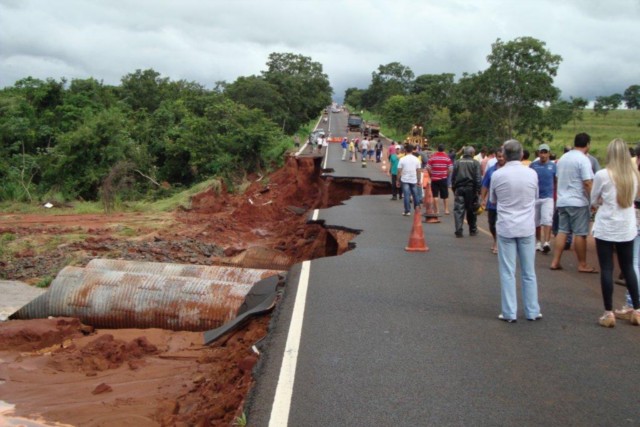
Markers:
{"x": 440, "y": 167}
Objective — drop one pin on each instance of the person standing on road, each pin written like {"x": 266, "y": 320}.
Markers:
{"x": 466, "y": 181}
{"x": 491, "y": 208}
{"x": 379, "y": 147}
{"x": 352, "y": 150}
{"x": 410, "y": 177}
{"x": 395, "y": 184}
{"x": 546, "y": 171}
{"x": 344, "y": 146}
{"x": 364, "y": 147}
{"x": 320, "y": 143}
{"x": 575, "y": 179}
{"x": 440, "y": 167}
{"x": 392, "y": 149}
{"x": 514, "y": 190}
{"x": 614, "y": 190}
{"x": 325, "y": 144}
{"x": 491, "y": 154}
{"x": 371, "y": 150}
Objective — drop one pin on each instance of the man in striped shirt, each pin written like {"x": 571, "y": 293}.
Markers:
{"x": 440, "y": 166}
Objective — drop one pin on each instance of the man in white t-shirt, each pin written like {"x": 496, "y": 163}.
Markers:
{"x": 410, "y": 178}
{"x": 364, "y": 147}
{"x": 575, "y": 177}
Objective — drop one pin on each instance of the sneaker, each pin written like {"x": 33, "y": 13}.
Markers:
{"x": 473, "y": 233}
{"x": 623, "y": 313}
{"x": 635, "y": 317}
{"x": 539, "y": 246}
{"x": 407, "y": 214}
{"x": 533, "y": 319}
{"x": 546, "y": 248}
{"x": 608, "y": 320}
{"x": 394, "y": 198}
{"x": 458, "y": 234}
{"x": 504, "y": 319}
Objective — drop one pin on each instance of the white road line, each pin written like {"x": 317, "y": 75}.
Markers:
{"x": 284, "y": 390}
{"x": 326, "y": 156}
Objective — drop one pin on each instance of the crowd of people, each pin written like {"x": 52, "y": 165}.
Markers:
{"x": 529, "y": 201}
{"x": 367, "y": 148}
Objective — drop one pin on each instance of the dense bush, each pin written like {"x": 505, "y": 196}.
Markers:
{"x": 61, "y": 138}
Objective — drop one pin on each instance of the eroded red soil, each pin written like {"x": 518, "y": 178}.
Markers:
{"x": 63, "y": 371}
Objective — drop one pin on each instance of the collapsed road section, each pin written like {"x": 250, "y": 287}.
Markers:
{"x": 156, "y": 375}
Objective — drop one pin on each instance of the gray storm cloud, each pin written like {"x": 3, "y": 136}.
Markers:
{"x": 209, "y": 41}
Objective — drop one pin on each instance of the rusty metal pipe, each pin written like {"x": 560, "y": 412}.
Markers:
{"x": 117, "y": 299}
{"x": 222, "y": 274}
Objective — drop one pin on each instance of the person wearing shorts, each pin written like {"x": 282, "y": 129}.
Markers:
{"x": 546, "y": 171}
{"x": 575, "y": 178}
{"x": 439, "y": 167}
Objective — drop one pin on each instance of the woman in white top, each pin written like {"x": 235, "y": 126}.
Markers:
{"x": 614, "y": 190}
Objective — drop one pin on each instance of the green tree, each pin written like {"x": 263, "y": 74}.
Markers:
{"x": 143, "y": 89}
{"x": 578, "y": 105}
{"x": 631, "y": 97}
{"x": 353, "y": 97}
{"x": 83, "y": 157}
{"x": 303, "y": 86}
{"x": 437, "y": 88}
{"x": 396, "y": 112}
{"x": 604, "y": 104}
{"x": 390, "y": 79}
{"x": 256, "y": 92}
{"x": 511, "y": 92}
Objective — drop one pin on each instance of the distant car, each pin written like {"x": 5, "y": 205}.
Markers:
{"x": 335, "y": 110}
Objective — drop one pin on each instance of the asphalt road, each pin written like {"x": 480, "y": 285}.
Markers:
{"x": 393, "y": 338}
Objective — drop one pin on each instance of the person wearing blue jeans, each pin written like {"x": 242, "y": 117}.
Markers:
{"x": 410, "y": 192}
{"x": 514, "y": 190}
{"x": 513, "y": 250}
{"x": 624, "y": 311}
{"x": 410, "y": 178}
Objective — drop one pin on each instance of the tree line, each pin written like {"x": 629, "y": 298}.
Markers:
{"x": 513, "y": 97}
{"x": 75, "y": 139}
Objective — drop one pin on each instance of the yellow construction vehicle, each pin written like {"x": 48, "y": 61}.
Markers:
{"x": 416, "y": 138}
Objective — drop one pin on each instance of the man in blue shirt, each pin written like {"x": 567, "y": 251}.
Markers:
{"x": 492, "y": 213}
{"x": 546, "y": 170}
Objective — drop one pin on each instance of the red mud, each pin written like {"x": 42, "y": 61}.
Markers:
{"x": 63, "y": 371}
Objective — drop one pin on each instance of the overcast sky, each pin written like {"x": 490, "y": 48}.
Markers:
{"x": 212, "y": 40}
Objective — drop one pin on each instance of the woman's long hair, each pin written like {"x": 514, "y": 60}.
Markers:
{"x": 622, "y": 172}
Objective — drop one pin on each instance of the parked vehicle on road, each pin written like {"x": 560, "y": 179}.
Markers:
{"x": 354, "y": 123}
{"x": 371, "y": 129}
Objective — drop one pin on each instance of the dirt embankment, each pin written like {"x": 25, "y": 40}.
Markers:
{"x": 66, "y": 372}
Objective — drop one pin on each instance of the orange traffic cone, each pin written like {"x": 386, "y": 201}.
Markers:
{"x": 429, "y": 202}
{"x": 416, "y": 239}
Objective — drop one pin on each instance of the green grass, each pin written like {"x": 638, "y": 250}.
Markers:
{"x": 623, "y": 124}
{"x": 44, "y": 282}
{"x": 11, "y": 207}
{"x": 182, "y": 198}
{"x": 602, "y": 129}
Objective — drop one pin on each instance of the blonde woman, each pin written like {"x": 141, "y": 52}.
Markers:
{"x": 614, "y": 190}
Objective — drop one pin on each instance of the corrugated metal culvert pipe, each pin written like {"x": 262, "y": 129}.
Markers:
{"x": 129, "y": 294}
